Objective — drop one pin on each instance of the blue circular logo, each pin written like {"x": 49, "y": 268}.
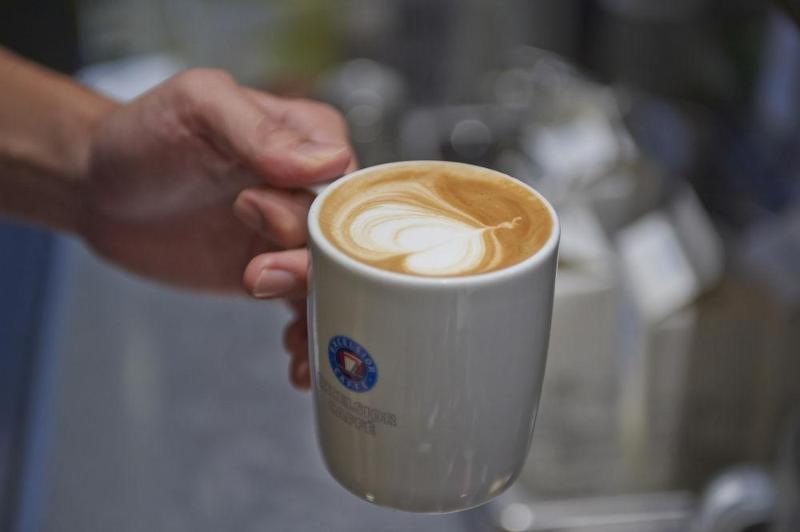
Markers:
{"x": 352, "y": 364}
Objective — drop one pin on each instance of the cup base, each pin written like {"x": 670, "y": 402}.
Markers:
{"x": 426, "y": 508}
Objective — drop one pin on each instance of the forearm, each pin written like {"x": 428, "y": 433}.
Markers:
{"x": 46, "y": 124}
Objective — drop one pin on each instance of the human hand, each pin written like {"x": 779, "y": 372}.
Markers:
{"x": 200, "y": 180}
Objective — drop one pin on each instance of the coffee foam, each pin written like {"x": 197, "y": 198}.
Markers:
{"x": 435, "y": 220}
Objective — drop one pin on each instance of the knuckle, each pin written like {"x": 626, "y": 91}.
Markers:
{"x": 248, "y": 279}
{"x": 194, "y": 84}
{"x": 251, "y": 272}
{"x": 290, "y": 237}
{"x": 295, "y": 240}
{"x": 196, "y": 91}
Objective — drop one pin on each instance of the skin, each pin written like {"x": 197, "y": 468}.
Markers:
{"x": 199, "y": 183}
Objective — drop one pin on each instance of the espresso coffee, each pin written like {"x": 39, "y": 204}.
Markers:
{"x": 435, "y": 219}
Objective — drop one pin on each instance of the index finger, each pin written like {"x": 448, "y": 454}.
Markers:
{"x": 223, "y": 114}
{"x": 317, "y": 120}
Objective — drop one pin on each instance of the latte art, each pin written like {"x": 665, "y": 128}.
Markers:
{"x": 435, "y": 219}
{"x": 410, "y": 222}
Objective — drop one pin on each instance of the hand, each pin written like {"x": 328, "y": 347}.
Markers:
{"x": 191, "y": 181}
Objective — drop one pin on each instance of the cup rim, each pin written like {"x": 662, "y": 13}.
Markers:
{"x": 318, "y": 239}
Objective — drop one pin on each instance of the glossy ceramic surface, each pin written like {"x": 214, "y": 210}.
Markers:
{"x": 426, "y": 390}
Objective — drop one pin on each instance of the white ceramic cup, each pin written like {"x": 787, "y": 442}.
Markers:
{"x": 426, "y": 389}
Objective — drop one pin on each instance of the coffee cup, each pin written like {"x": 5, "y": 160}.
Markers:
{"x": 427, "y": 357}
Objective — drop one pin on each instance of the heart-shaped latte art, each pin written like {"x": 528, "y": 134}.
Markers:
{"x": 436, "y": 224}
{"x": 430, "y": 242}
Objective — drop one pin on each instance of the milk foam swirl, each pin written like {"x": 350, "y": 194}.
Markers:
{"x": 434, "y": 221}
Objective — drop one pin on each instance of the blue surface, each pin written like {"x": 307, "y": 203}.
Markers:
{"x": 25, "y": 257}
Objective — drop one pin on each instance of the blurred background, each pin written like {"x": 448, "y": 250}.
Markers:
{"x": 667, "y": 134}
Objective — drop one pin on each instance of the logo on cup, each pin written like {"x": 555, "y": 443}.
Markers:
{"x": 352, "y": 364}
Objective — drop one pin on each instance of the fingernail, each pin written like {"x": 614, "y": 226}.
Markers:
{"x": 320, "y": 151}
{"x": 249, "y": 215}
{"x": 273, "y": 283}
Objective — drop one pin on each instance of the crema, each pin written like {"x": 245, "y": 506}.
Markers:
{"x": 435, "y": 220}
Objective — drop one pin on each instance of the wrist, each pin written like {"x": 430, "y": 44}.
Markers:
{"x": 46, "y": 126}
{"x": 82, "y": 127}
{"x": 54, "y": 190}
{"x": 71, "y": 149}
{"x": 79, "y": 124}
